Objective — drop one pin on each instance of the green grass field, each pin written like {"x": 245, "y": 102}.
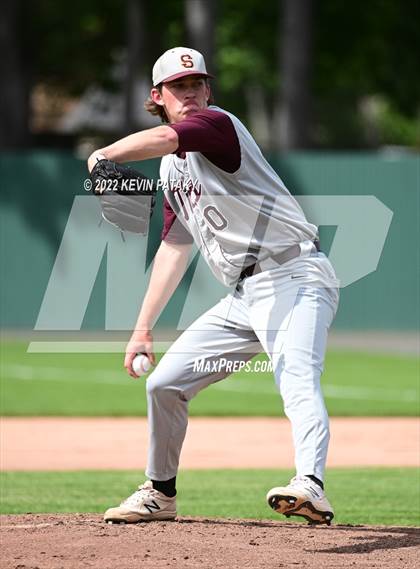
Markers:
{"x": 383, "y": 496}
{"x": 355, "y": 384}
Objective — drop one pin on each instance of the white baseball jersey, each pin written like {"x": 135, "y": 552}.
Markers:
{"x": 235, "y": 218}
{"x": 228, "y": 198}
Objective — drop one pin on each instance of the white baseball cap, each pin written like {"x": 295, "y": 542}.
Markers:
{"x": 178, "y": 62}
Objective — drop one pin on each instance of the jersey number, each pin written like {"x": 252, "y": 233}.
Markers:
{"x": 215, "y": 218}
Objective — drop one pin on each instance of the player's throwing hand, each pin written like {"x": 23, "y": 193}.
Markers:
{"x": 140, "y": 342}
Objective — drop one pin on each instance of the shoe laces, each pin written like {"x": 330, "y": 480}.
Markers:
{"x": 142, "y": 493}
{"x": 298, "y": 480}
{"x": 307, "y": 483}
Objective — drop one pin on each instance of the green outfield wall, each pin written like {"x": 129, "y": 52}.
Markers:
{"x": 38, "y": 190}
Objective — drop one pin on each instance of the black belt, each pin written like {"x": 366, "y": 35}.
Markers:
{"x": 287, "y": 255}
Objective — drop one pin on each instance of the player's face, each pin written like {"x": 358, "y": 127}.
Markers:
{"x": 182, "y": 97}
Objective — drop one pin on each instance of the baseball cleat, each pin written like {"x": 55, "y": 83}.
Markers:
{"x": 146, "y": 504}
{"x": 302, "y": 497}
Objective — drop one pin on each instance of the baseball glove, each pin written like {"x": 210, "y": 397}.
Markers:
{"x": 127, "y": 196}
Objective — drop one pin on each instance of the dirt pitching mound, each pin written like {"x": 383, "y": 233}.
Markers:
{"x": 74, "y": 541}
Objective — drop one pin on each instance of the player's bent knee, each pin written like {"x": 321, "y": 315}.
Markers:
{"x": 158, "y": 388}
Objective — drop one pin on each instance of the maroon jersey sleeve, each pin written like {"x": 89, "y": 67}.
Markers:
{"x": 212, "y": 133}
{"x": 173, "y": 230}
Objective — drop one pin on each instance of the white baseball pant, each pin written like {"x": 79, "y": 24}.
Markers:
{"x": 287, "y": 312}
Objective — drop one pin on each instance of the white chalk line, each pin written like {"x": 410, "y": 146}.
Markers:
{"x": 234, "y": 384}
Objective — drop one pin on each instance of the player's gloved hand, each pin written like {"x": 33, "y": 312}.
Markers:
{"x": 127, "y": 196}
{"x": 141, "y": 342}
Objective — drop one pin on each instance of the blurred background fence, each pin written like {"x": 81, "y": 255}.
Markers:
{"x": 330, "y": 92}
{"x": 40, "y": 188}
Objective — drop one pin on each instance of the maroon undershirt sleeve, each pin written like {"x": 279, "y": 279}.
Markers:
{"x": 173, "y": 230}
{"x": 212, "y": 133}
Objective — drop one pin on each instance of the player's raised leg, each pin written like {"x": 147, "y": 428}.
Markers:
{"x": 198, "y": 358}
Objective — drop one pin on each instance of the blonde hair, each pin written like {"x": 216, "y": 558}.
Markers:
{"x": 159, "y": 111}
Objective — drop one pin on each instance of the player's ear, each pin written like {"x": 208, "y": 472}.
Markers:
{"x": 156, "y": 96}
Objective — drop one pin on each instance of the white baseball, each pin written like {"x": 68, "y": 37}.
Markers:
{"x": 141, "y": 365}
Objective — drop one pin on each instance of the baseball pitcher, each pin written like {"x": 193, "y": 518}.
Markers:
{"x": 222, "y": 195}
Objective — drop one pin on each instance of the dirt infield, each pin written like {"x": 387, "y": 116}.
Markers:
{"x": 58, "y": 443}
{"x": 69, "y": 542}
{"x": 45, "y": 541}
